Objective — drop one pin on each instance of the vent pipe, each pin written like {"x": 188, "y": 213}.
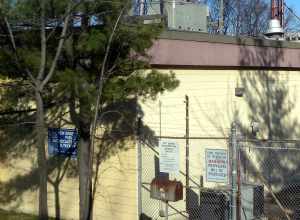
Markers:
{"x": 275, "y": 30}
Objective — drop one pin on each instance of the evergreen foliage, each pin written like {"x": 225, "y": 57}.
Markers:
{"x": 73, "y": 87}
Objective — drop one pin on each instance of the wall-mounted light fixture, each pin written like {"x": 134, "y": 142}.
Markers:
{"x": 254, "y": 127}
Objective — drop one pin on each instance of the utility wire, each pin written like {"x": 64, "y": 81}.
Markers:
{"x": 292, "y": 11}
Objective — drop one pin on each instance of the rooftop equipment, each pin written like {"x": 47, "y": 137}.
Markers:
{"x": 252, "y": 200}
{"x": 277, "y": 11}
{"x": 275, "y": 30}
{"x": 180, "y": 14}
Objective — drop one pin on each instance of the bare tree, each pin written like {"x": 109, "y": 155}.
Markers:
{"x": 248, "y": 17}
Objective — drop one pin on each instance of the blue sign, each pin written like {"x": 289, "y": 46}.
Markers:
{"x": 140, "y": 4}
{"x": 62, "y": 141}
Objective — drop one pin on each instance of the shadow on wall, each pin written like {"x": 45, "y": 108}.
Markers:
{"x": 118, "y": 127}
{"x": 17, "y": 140}
{"x": 18, "y": 154}
{"x": 117, "y": 123}
{"x": 268, "y": 99}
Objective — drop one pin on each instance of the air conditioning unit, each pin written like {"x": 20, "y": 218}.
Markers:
{"x": 214, "y": 204}
{"x": 252, "y": 201}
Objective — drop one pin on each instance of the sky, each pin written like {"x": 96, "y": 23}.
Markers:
{"x": 295, "y": 4}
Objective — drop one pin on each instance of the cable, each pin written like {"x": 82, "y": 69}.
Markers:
{"x": 292, "y": 12}
{"x": 11, "y": 112}
{"x": 18, "y": 124}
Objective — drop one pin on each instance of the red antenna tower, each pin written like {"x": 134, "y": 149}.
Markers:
{"x": 277, "y": 11}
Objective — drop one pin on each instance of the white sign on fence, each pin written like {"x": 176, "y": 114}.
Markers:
{"x": 216, "y": 165}
{"x": 168, "y": 156}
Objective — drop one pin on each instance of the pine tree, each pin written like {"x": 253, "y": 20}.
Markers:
{"x": 88, "y": 56}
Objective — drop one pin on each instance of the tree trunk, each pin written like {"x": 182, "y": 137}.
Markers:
{"x": 85, "y": 178}
{"x": 57, "y": 204}
{"x": 41, "y": 154}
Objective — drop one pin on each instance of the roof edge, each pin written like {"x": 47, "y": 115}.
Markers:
{"x": 223, "y": 39}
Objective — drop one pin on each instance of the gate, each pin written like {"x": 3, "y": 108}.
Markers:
{"x": 202, "y": 198}
{"x": 262, "y": 180}
{"x": 270, "y": 177}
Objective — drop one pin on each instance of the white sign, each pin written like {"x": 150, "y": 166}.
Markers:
{"x": 216, "y": 165}
{"x": 168, "y": 156}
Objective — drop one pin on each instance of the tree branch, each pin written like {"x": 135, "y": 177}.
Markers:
{"x": 13, "y": 43}
{"x": 50, "y": 180}
{"x": 43, "y": 43}
{"x": 60, "y": 178}
{"x": 100, "y": 87}
{"x": 12, "y": 39}
{"x": 73, "y": 114}
{"x": 59, "y": 48}
{"x": 63, "y": 18}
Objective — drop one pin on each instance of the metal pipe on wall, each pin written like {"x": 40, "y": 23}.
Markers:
{"x": 187, "y": 153}
{"x": 139, "y": 163}
{"x": 234, "y": 177}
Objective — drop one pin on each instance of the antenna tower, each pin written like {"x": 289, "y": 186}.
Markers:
{"x": 277, "y": 11}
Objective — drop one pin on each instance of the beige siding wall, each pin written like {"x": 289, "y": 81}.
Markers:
{"x": 212, "y": 101}
{"x": 116, "y": 196}
{"x": 212, "y": 108}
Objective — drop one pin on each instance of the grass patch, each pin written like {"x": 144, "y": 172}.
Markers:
{"x": 10, "y": 215}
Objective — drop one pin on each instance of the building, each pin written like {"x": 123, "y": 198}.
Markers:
{"x": 246, "y": 80}
{"x": 211, "y": 69}
{"x": 180, "y": 15}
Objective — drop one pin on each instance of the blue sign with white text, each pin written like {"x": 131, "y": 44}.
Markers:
{"x": 62, "y": 141}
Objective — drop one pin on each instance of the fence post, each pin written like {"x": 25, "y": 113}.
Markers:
{"x": 139, "y": 151}
{"x": 234, "y": 168}
{"x": 187, "y": 155}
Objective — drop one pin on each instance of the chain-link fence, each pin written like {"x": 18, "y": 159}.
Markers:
{"x": 270, "y": 180}
{"x": 203, "y": 198}
{"x": 266, "y": 184}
